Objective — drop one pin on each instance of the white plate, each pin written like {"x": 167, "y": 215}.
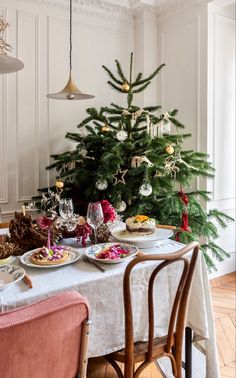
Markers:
{"x": 10, "y": 274}
{"x": 74, "y": 255}
{"x": 141, "y": 240}
{"x": 94, "y": 249}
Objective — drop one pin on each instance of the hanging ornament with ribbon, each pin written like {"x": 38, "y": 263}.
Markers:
{"x": 164, "y": 126}
{"x": 101, "y": 184}
{"x": 138, "y": 160}
{"x": 184, "y": 225}
{"x": 122, "y": 135}
{"x": 167, "y": 124}
{"x": 170, "y": 166}
{"x": 59, "y": 183}
{"x": 121, "y": 206}
{"x": 145, "y": 189}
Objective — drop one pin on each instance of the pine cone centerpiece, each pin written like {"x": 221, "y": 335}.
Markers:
{"x": 103, "y": 234}
{"x": 6, "y": 247}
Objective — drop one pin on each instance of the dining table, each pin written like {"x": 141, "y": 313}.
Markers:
{"x": 104, "y": 292}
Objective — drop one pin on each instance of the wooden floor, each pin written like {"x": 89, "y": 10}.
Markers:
{"x": 223, "y": 297}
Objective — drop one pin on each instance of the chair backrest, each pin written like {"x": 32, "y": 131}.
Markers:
{"x": 45, "y": 339}
{"x": 177, "y": 315}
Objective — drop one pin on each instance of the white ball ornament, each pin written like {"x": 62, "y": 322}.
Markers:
{"x": 121, "y": 135}
{"x": 101, "y": 184}
{"x": 145, "y": 190}
{"x": 121, "y": 206}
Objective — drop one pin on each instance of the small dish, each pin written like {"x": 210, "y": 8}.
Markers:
{"x": 94, "y": 250}
{"x": 10, "y": 274}
{"x": 74, "y": 255}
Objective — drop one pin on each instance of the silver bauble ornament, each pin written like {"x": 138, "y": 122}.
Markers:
{"x": 121, "y": 206}
{"x": 101, "y": 184}
{"x": 121, "y": 135}
{"x": 145, "y": 190}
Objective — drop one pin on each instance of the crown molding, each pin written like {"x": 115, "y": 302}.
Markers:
{"x": 171, "y": 6}
{"x": 123, "y": 10}
{"x": 102, "y": 8}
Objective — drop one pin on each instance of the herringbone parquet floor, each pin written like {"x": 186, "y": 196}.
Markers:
{"x": 224, "y": 297}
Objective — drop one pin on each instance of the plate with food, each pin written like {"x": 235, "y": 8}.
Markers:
{"x": 53, "y": 257}
{"x": 141, "y": 231}
{"x": 111, "y": 253}
{"x": 10, "y": 274}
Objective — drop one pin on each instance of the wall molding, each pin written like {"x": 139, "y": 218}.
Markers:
{"x": 192, "y": 20}
{"x": 4, "y": 184}
{"x": 231, "y": 21}
{"x": 20, "y": 196}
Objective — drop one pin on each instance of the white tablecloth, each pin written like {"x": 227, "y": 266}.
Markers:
{"x": 104, "y": 294}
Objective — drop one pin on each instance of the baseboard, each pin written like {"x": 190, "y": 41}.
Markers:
{"x": 225, "y": 267}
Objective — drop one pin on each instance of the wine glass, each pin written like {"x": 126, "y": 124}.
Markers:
{"x": 95, "y": 217}
{"x": 66, "y": 210}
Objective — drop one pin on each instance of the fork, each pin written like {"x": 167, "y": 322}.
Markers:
{"x": 87, "y": 260}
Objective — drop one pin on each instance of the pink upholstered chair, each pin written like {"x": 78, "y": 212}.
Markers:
{"x": 47, "y": 339}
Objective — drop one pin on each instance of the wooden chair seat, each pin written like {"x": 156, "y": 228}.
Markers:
{"x": 141, "y": 350}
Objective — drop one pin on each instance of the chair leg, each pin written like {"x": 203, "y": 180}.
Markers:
{"x": 188, "y": 352}
{"x": 115, "y": 366}
{"x": 178, "y": 362}
{"x": 174, "y": 366}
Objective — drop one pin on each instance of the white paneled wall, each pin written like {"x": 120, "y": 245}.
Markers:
{"x": 183, "y": 47}
{"x": 31, "y": 126}
{"x": 221, "y": 121}
{"x": 197, "y": 44}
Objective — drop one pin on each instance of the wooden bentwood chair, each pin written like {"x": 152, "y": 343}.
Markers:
{"x": 169, "y": 345}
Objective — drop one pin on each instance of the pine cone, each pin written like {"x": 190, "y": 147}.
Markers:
{"x": 7, "y": 249}
{"x": 103, "y": 234}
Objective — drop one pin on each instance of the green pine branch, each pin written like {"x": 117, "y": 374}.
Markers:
{"x": 150, "y": 77}
{"x": 222, "y": 218}
{"x": 120, "y": 72}
{"x": 117, "y": 81}
{"x": 142, "y": 88}
{"x": 115, "y": 86}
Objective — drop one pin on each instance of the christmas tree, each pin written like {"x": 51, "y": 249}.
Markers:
{"x": 134, "y": 158}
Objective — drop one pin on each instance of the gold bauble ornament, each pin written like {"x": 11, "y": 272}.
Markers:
{"x": 170, "y": 149}
{"x": 59, "y": 184}
{"x": 125, "y": 87}
{"x": 105, "y": 129}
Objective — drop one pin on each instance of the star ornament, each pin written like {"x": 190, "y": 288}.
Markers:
{"x": 119, "y": 176}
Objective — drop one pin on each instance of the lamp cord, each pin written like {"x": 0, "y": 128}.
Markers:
{"x": 70, "y": 36}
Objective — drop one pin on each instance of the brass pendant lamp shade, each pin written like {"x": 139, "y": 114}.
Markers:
{"x": 71, "y": 91}
{"x": 7, "y": 63}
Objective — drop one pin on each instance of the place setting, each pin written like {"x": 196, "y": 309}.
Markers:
{"x": 61, "y": 237}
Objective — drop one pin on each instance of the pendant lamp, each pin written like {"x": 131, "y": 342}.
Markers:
{"x": 71, "y": 91}
{"x": 7, "y": 63}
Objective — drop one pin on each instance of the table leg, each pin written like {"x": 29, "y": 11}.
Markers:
{"x": 188, "y": 352}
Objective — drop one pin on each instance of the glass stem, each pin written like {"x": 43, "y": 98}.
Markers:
{"x": 95, "y": 235}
